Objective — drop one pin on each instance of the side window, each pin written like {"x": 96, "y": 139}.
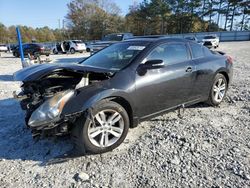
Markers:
{"x": 197, "y": 50}
{"x": 207, "y": 52}
{"x": 170, "y": 53}
{"x": 32, "y": 46}
{"x": 25, "y": 46}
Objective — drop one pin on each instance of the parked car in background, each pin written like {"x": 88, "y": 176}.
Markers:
{"x": 99, "y": 99}
{"x": 211, "y": 41}
{"x": 34, "y": 49}
{"x": 109, "y": 39}
{"x": 3, "y": 48}
{"x": 11, "y": 47}
{"x": 57, "y": 48}
{"x": 89, "y": 44}
{"x": 71, "y": 46}
{"x": 49, "y": 45}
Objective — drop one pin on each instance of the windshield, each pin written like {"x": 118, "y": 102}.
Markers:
{"x": 115, "y": 57}
{"x": 113, "y": 37}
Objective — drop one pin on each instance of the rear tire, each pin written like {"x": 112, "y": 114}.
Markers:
{"x": 36, "y": 55}
{"x": 72, "y": 51}
{"x": 218, "y": 90}
{"x": 102, "y": 136}
{"x": 15, "y": 54}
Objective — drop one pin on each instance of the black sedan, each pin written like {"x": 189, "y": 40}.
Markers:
{"x": 99, "y": 99}
{"x": 33, "y": 49}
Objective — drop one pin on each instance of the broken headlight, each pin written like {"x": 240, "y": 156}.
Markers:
{"x": 50, "y": 110}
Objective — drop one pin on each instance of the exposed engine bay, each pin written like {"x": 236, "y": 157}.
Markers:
{"x": 35, "y": 93}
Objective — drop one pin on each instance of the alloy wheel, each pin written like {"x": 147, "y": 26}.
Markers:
{"x": 107, "y": 128}
{"x": 219, "y": 90}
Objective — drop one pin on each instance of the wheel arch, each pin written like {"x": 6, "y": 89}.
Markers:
{"x": 126, "y": 105}
{"x": 224, "y": 73}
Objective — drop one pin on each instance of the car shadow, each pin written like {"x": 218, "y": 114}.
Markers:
{"x": 199, "y": 105}
{"x": 8, "y": 57}
{"x": 6, "y": 77}
{"x": 16, "y": 142}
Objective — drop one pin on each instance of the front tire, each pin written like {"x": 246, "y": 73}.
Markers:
{"x": 54, "y": 51}
{"x": 105, "y": 133}
{"x": 15, "y": 54}
{"x": 218, "y": 90}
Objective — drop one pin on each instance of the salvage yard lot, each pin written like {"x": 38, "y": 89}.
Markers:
{"x": 207, "y": 147}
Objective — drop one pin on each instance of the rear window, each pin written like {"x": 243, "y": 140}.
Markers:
{"x": 34, "y": 45}
{"x": 40, "y": 45}
{"x": 197, "y": 50}
{"x": 77, "y": 41}
{"x": 209, "y": 37}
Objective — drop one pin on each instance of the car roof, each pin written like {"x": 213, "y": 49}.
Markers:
{"x": 157, "y": 38}
{"x": 117, "y": 33}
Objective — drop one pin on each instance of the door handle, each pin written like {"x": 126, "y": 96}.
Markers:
{"x": 189, "y": 69}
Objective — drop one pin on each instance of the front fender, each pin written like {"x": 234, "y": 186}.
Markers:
{"x": 88, "y": 96}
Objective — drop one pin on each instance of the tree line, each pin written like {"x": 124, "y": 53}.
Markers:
{"x": 92, "y": 19}
{"x": 29, "y": 34}
{"x": 185, "y": 16}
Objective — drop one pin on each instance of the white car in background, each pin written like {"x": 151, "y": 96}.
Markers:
{"x": 211, "y": 41}
{"x": 76, "y": 46}
{"x": 71, "y": 46}
{"x": 3, "y": 48}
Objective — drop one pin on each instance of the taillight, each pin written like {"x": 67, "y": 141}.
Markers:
{"x": 229, "y": 59}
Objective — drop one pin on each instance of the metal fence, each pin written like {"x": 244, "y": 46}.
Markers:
{"x": 224, "y": 35}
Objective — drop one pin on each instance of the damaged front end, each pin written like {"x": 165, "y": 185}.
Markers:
{"x": 44, "y": 96}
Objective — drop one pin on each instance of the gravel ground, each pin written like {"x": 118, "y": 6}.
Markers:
{"x": 208, "y": 147}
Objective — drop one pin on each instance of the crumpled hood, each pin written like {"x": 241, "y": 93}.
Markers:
{"x": 35, "y": 72}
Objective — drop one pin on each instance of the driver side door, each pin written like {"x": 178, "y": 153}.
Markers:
{"x": 164, "y": 88}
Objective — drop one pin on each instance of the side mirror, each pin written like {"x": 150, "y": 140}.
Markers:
{"x": 154, "y": 64}
{"x": 151, "y": 64}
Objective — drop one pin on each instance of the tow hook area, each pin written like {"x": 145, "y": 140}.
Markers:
{"x": 19, "y": 96}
